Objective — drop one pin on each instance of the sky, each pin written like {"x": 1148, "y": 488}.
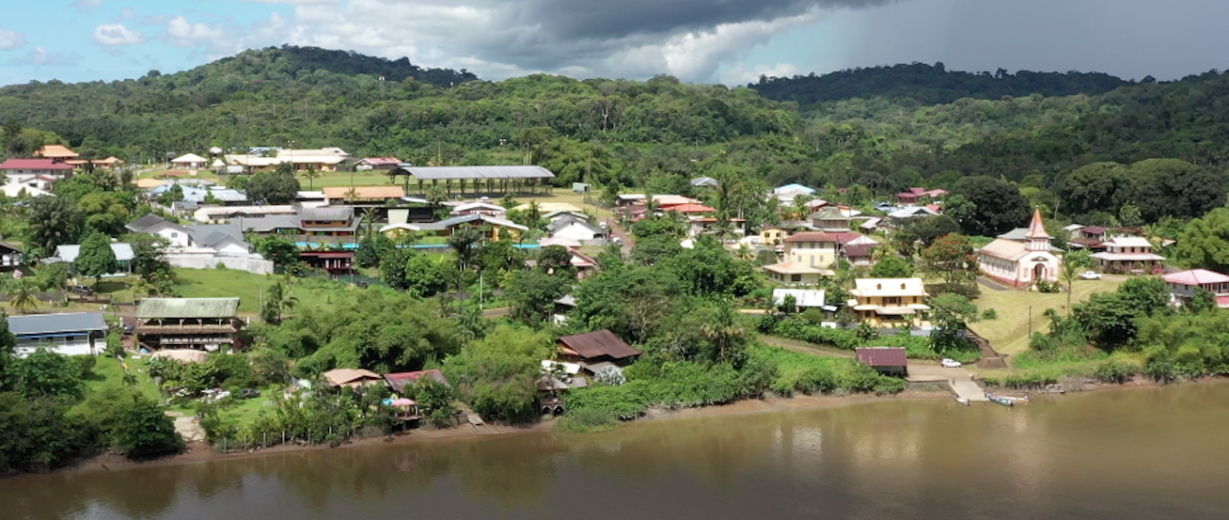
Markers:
{"x": 703, "y": 41}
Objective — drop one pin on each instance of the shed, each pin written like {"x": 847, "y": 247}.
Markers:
{"x": 352, "y": 377}
{"x": 886, "y": 360}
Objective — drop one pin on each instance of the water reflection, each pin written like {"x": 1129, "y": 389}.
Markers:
{"x": 1146, "y": 453}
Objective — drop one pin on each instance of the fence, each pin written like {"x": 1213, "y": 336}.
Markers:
{"x": 251, "y": 265}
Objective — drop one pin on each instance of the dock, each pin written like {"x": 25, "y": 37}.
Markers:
{"x": 967, "y": 389}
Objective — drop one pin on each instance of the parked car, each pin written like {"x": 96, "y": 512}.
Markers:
{"x": 1090, "y": 275}
{"x": 128, "y": 328}
{"x": 81, "y": 289}
{"x": 950, "y": 363}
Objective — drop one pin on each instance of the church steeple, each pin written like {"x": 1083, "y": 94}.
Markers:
{"x": 1036, "y": 239}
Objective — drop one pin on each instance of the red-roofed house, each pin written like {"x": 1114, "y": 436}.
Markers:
{"x": 399, "y": 380}
{"x": 1182, "y": 286}
{"x": 912, "y": 196}
{"x": 22, "y": 170}
{"x": 885, "y": 360}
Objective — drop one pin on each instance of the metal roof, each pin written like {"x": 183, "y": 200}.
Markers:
{"x": 68, "y": 253}
{"x": 31, "y": 324}
{"x": 882, "y": 356}
{"x": 188, "y": 308}
{"x": 600, "y": 343}
{"x": 478, "y": 172}
{"x": 330, "y": 213}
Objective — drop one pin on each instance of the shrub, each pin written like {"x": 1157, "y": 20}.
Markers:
{"x": 989, "y": 315}
{"x": 1115, "y": 371}
{"x": 813, "y": 316}
{"x": 1159, "y": 365}
{"x": 587, "y": 420}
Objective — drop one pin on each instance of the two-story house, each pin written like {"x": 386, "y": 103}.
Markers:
{"x": 1182, "y": 286}
{"x": 832, "y": 219}
{"x": 1129, "y": 255}
{"x": 26, "y": 171}
{"x": 814, "y": 249}
{"x": 890, "y": 302}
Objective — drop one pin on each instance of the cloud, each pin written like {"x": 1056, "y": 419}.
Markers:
{"x": 741, "y": 75}
{"x": 11, "y": 39}
{"x": 182, "y": 33}
{"x": 154, "y": 19}
{"x": 127, "y": 14}
{"x": 116, "y": 34}
{"x": 42, "y": 57}
{"x": 691, "y": 39}
{"x": 87, "y": 6}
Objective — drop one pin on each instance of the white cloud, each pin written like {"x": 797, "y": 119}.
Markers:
{"x": 182, "y": 33}
{"x": 11, "y": 39}
{"x": 87, "y": 6}
{"x": 116, "y": 34}
{"x": 741, "y": 75}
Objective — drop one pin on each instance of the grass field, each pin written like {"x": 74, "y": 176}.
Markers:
{"x": 1008, "y": 334}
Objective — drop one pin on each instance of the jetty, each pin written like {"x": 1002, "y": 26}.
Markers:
{"x": 967, "y": 389}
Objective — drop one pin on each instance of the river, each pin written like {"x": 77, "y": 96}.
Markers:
{"x": 1137, "y": 453}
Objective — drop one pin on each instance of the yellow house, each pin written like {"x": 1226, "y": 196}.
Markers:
{"x": 794, "y": 273}
{"x": 772, "y": 236}
{"x": 890, "y": 302}
{"x": 812, "y": 248}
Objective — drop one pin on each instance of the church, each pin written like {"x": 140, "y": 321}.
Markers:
{"x": 1022, "y": 257}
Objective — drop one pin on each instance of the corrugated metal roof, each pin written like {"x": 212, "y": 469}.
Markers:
{"x": 600, "y": 343}
{"x": 188, "y": 308}
{"x": 882, "y": 356}
{"x": 123, "y": 252}
{"x": 327, "y": 213}
{"x": 31, "y": 324}
{"x": 478, "y": 172}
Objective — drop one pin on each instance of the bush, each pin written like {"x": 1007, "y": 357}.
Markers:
{"x": 989, "y": 315}
{"x": 1044, "y": 286}
{"x": 142, "y": 431}
{"x": 1115, "y": 371}
{"x": 1159, "y": 365}
{"x": 813, "y": 316}
{"x": 587, "y": 420}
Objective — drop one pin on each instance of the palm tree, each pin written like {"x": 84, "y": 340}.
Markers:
{"x": 1068, "y": 272}
{"x": 23, "y": 295}
{"x": 369, "y": 223}
{"x": 310, "y": 174}
{"x": 463, "y": 242}
{"x": 723, "y": 331}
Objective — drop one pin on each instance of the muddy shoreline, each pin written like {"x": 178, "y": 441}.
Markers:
{"x": 202, "y": 451}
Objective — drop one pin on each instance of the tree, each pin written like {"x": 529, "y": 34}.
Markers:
{"x": 1204, "y": 242}
{"x": 1202, "y": 301}
{"x": 950, "y": 313}
{"x": 999, "y": 206}
{"x": 271, "y": 303}
{"x": 143, "y": 431}
{"x": 283, "y": 253}
{"x": 726, "y": 336}
{"x": 1068, "y": 273}
{"x": 498, "y": 374}
{"x": 96, "y": 258}
{"x": 149, "y": 254}
{"x": 556, "y": 260}
{"x": 106, "y": 212}
{"x": 8, "y": 347}
{"x": 465, "y": 244}
{"x": 54, "y": 221}
{"x": 23, "y": 294}
{"x": 277, "y": 187}
{"x": 533, "y": 295}
{"x": 892, "y": 267}
{"x": 951, "y": 258}
{"x": 393, "y": 268}
{"x": 310, "y": 174}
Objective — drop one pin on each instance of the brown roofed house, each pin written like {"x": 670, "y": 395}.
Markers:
{"x": 352, "y": 377}
{"x": 399, "y": 380}
{"x": 57, "y": 152}
{"x": 595, "y": 348}
{"x": 885, "y": 360}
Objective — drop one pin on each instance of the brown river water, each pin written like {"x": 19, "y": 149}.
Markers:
{"x": 1138, "y": 453}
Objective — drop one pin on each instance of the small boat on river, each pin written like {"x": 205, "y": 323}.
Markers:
{"x": 999, "y": 399}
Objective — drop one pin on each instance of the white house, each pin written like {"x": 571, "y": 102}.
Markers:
{"x": 1021, "y": 262}
{"x": 1182, "y": 286}
{"x": 190, "y": 162}
{"x": 1129, "y": 254}
{"x": 803, "y": 298}
{"x": 575, "y": 229}
{"x": 69, "y": 334}
{"x": 18, "y": 189}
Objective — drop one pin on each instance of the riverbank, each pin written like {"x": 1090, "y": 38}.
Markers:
{"x": 201, "y": 451}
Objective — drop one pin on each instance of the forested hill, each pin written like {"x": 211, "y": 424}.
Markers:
{"x": 931, "y": 84}
{"x": 296, "y": 61}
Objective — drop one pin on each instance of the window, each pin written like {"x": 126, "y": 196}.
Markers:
{"x": 891, "y": 300}
{"x": 795, "y": 278}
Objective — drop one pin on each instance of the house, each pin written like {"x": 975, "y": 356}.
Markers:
{"x": 310, "y": 199}
{"x": 668, "y": 202}
{"x": 56, "y": 152}
{"x": 123, "y": 255}
{"x": 69, "y": 334}
{"x": 1021, "y": 259}
{"x": 1182, "y": 286}
{"x": 335, "y": 262}
{"x": 352, "y": 378}
{"x": 224, "y": 213}
{"x": 10, "y": 256}
{"x": 1091, "y": 238}
{"x": 178, "y": 236}
{"x": 332, "y": 221}
{"x": 25, "y": 170}
{"x": 398, "y": 381}
{"x": 691, "y": 209}
{"x": 794, "y": 273}
{"x": 362, "y": 195}
{"x": 890, "y": 361}
{"x": 593, "y": 350}
{"x": 378, "y": 163}
{"x": 322, "y": 160}
{"x": 556, "y": 215}
{"x": 15, "y": 190}
{"x": 223, "y": 239}
{"x": 859, "y": 255}
{"x": 831, "y": 219}
{"x": 803, "y": 298}
{"x": 816, "y": 249}
{"x": 1129, "y": 255}
{"x": 705, "y": 182}
{"x": 190, "y": 162}
{"x": 787, "y": 193}
{"x": 445, "y": 227}
{"x": 890, "y": 302}
{"x": 574, "y": 228}
{"x": 915, "y": 195}
{"x": 773, "y": 236}
{"x": 584, "y": 264}
{"x": 904, "y": 215}
{"x": 197, "y": 323}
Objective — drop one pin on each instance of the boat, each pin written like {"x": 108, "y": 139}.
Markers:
{"x": 963, "y": 401}
{"x": 1024, "y": 399}
{"x": 1001, "y": 400}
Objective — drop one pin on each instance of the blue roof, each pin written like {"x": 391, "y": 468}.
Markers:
{"x": 47, "y": 324}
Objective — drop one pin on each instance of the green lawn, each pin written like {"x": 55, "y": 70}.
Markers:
{"x": 1008, "y": 334}
{"x": 223, "y": 283}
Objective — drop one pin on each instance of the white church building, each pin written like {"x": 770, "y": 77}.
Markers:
{"x": 1022, "y": 257}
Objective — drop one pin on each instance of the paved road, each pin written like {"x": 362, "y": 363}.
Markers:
{"x": 994, "y": 286}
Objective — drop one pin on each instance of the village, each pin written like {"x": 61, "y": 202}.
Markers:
{"x": 222, "y": 259}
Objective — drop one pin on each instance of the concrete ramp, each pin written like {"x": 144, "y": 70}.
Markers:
{"x": 968, "y": 390}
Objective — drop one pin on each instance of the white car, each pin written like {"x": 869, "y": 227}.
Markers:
{"x": 1090, "y": 275}
{"x": 950, "y": 363}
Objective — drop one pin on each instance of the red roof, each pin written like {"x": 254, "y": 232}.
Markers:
{"x": 1196, "y": 277}
{"x": 34, "y": 164}
{"x": 398, "y": 380}
{"x": 859, "y": 250}
{"x": 1036, "y": 228}
{"x": 382, "y": 161}
{"x": 883, "y": 356}
{"x": 812, "y": 236}
{"x": 692, "y": 208}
